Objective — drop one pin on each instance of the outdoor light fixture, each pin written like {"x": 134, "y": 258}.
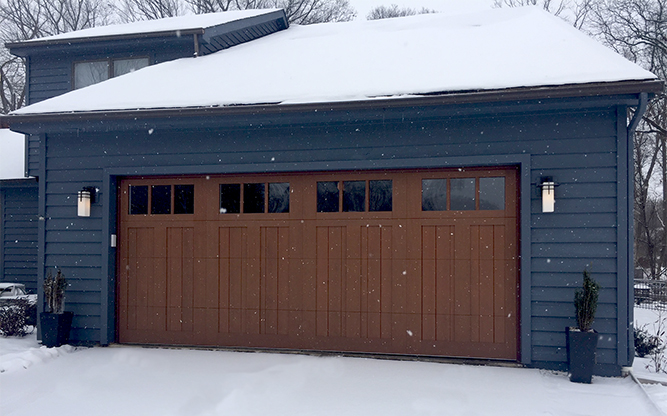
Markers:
{"x": 548, "y": 194}
{"x": 86, "y": 197}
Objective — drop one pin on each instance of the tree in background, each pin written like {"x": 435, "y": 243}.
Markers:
{"x": 388, "y": 12}
{"x": 30, "y": 19}
{"x": 573, "y": 11}
{"x": 302, "y": 12}
{"x": 133, "y": 10}
{"x": 637, "y": 29}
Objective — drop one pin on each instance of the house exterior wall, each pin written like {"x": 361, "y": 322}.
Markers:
{"x": 51, "y": 73}
{"x": 18, "y": 232}
{"x": 581, "y": 143}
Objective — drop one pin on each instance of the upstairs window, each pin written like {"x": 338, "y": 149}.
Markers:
{"x": 92, "y": 72}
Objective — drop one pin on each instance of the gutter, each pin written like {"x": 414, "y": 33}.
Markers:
{"x": 630, "y": 88}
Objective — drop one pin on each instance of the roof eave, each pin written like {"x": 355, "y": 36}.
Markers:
{"x": 17, "y": 182}
{"x": 651, "y": 86}
{"x": 15, "y": 47}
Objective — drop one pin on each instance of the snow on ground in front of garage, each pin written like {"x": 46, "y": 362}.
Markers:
{"x": 652, "y": 321}
{"x": 149, "y": 381}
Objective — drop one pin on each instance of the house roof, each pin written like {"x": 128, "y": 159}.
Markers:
{"x": 161, "y": 27}
{"x": 496, "y": 50}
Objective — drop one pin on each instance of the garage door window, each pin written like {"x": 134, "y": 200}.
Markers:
{"x": 463, "y": 194}
{"x": 355, "y": 198}
{"x": 184, "y": 199}
{"x": 327, "y": 197}
{"x": 138, "y": 200}
{"x": 251, "y": 198}
{"x": 278, "y": 198}
{"x": 381, "y": 197}
{"x": 161, "y": 197}
{"x": 492, "y": 193}
{"x": 462, "y": 197}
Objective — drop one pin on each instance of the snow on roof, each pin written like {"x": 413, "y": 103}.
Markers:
{"x": 360, "y": 60}
{"x": 170, "y": 24}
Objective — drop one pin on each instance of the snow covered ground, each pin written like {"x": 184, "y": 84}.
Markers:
{"x": 144, "y": 381}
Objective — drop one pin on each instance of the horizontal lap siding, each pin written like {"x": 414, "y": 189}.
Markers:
{"x": 74, "y": 244}
{"x": 577, "y": 148}
{"x": 19, "y": 221}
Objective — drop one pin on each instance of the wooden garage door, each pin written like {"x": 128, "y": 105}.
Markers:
{"x": 416, "y": 262}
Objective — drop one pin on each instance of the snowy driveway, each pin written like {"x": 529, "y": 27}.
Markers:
{"x": 140, "y": 381}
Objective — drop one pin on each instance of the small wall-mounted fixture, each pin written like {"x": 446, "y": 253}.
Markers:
{"x": 86, "y": 197}
{"x": 548, "y": 193}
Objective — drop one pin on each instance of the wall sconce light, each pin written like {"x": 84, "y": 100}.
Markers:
{"x": 548, "y": 193}
{"x": 86, "y": 196}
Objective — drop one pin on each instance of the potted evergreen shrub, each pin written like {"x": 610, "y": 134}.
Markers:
{"x": 55, "y": 322}
{"x": 582, "y": 340}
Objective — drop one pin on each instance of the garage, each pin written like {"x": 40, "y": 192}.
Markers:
{"x": 420, "y": 262}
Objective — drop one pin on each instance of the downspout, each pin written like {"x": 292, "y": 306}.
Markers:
{"x": 632, "y": 128}
{"x": 196, "y": 37}
{"x": 637, "y": 116}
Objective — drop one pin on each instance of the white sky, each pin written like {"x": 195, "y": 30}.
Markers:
{"x": 11, "y": 154}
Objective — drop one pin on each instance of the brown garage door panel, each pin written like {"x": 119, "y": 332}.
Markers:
{"x": 405, "y": 281}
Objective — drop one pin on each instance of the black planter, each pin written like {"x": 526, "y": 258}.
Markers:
{"x": 581, "y": 349}
{"x": 55, "y": 328}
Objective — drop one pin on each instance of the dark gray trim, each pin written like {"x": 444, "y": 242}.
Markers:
{"x": 624, "y": 215}
{"x": 241, "y": 31}
{"x": 20, "y": 48}
{"x": 455, "y": 104}
{"x": 26, "y": 150}
{"x": 28, "y": 77}
{"x": 41, "y": 229}
{"x": 525, "y": 272}
{"x": 2, "y": 233}
{"x": 16, "y": 183}
{"x": 25, "y": 48}
{"x": 521, "y": 160}
{"x": 108, "y": 287}
{"x": 625, "y": 283}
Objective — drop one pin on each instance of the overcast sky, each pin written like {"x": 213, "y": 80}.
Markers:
{"x": 11, "y": 155}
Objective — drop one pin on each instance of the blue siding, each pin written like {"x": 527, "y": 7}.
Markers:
{"x": 32, "y": 156}
{"x": 18, "y": 232}
{"x": 51, "y": 75}
{"x": 577, "y": 147}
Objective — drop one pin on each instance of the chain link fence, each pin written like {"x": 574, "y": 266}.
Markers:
{"x": 651, "y": 294}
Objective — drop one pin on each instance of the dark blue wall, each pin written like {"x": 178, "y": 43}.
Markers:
{"x": 18, "y": 232}
{"x": 582, "y": 144}
{"x": 51, "y": 72}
